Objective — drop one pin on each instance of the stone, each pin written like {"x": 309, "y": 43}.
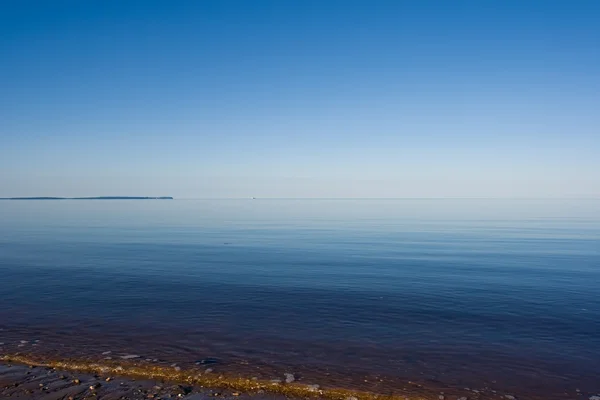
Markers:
{"x": 441, "y": 397}
{"x": 208, "y": 370}
{"x": 595, "y": 397}
{"x": 130, "y": 356}
{"x": 289, "y": 378}
{"x": 208, "y": 361}
{"x": 511, "y": 397}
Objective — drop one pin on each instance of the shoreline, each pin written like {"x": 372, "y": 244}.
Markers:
{"x": 222, "y": 376}
{"x": 195, "y": 382}
{"x": 30, "y": 382}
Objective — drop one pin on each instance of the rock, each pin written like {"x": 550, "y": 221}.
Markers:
{"x": 511, "y": 397}
{"x": 208, "y": 360}
{"x": 177, "y": 369}
{"x": 462, "y": 398}
{"x": 106, "y": 353}
{"x": 130, "y": 356}
{"x": 595, "y": 397}
{"x": 275, "y": 381}
{"x": 313, "y": 388}
{"x": 289, "y": 378}
{"x": 208, "y": 370}
{"x": 351, "y": 398}
{"x": 441, "y": 397}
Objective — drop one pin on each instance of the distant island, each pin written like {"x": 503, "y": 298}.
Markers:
{"x": 89, "y": 198}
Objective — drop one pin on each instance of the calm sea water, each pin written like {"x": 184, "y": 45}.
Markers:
{"x": 501, "y": 294}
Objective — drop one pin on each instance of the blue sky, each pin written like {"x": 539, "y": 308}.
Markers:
{"x": 300, "y": 98}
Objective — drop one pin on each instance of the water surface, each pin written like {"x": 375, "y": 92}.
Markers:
{"x": 497, "y": 294}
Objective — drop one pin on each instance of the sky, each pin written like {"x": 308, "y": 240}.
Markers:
{"x": 300, "y": 98}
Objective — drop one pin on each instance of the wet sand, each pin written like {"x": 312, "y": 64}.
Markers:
{"x": 45, "y": 383}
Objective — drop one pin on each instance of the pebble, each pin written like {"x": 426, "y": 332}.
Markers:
{"x": 289, "y": 378}
{"x": 208, "y": 370}
{"x": 511, "y": 397}
{"x": 130, "y": 356}
{"x": 208, "y": 360}
{"x": 177, "y": 369}
{"x": 595, "y": 397}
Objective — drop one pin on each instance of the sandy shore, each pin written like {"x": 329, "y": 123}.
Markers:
{"x": 44, "y": 383}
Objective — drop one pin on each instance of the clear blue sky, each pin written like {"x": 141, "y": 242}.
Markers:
{"x": 304, "y": 98}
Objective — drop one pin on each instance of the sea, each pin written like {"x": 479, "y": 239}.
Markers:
{"x": 466, "y": 297}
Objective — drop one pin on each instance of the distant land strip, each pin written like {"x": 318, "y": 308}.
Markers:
{"x": 90, "y": 198}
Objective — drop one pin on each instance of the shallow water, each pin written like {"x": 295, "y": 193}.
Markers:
{"x": 500, "y": 294}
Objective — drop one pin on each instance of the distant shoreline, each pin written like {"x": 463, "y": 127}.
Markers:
{"x": 89, "y": 198}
